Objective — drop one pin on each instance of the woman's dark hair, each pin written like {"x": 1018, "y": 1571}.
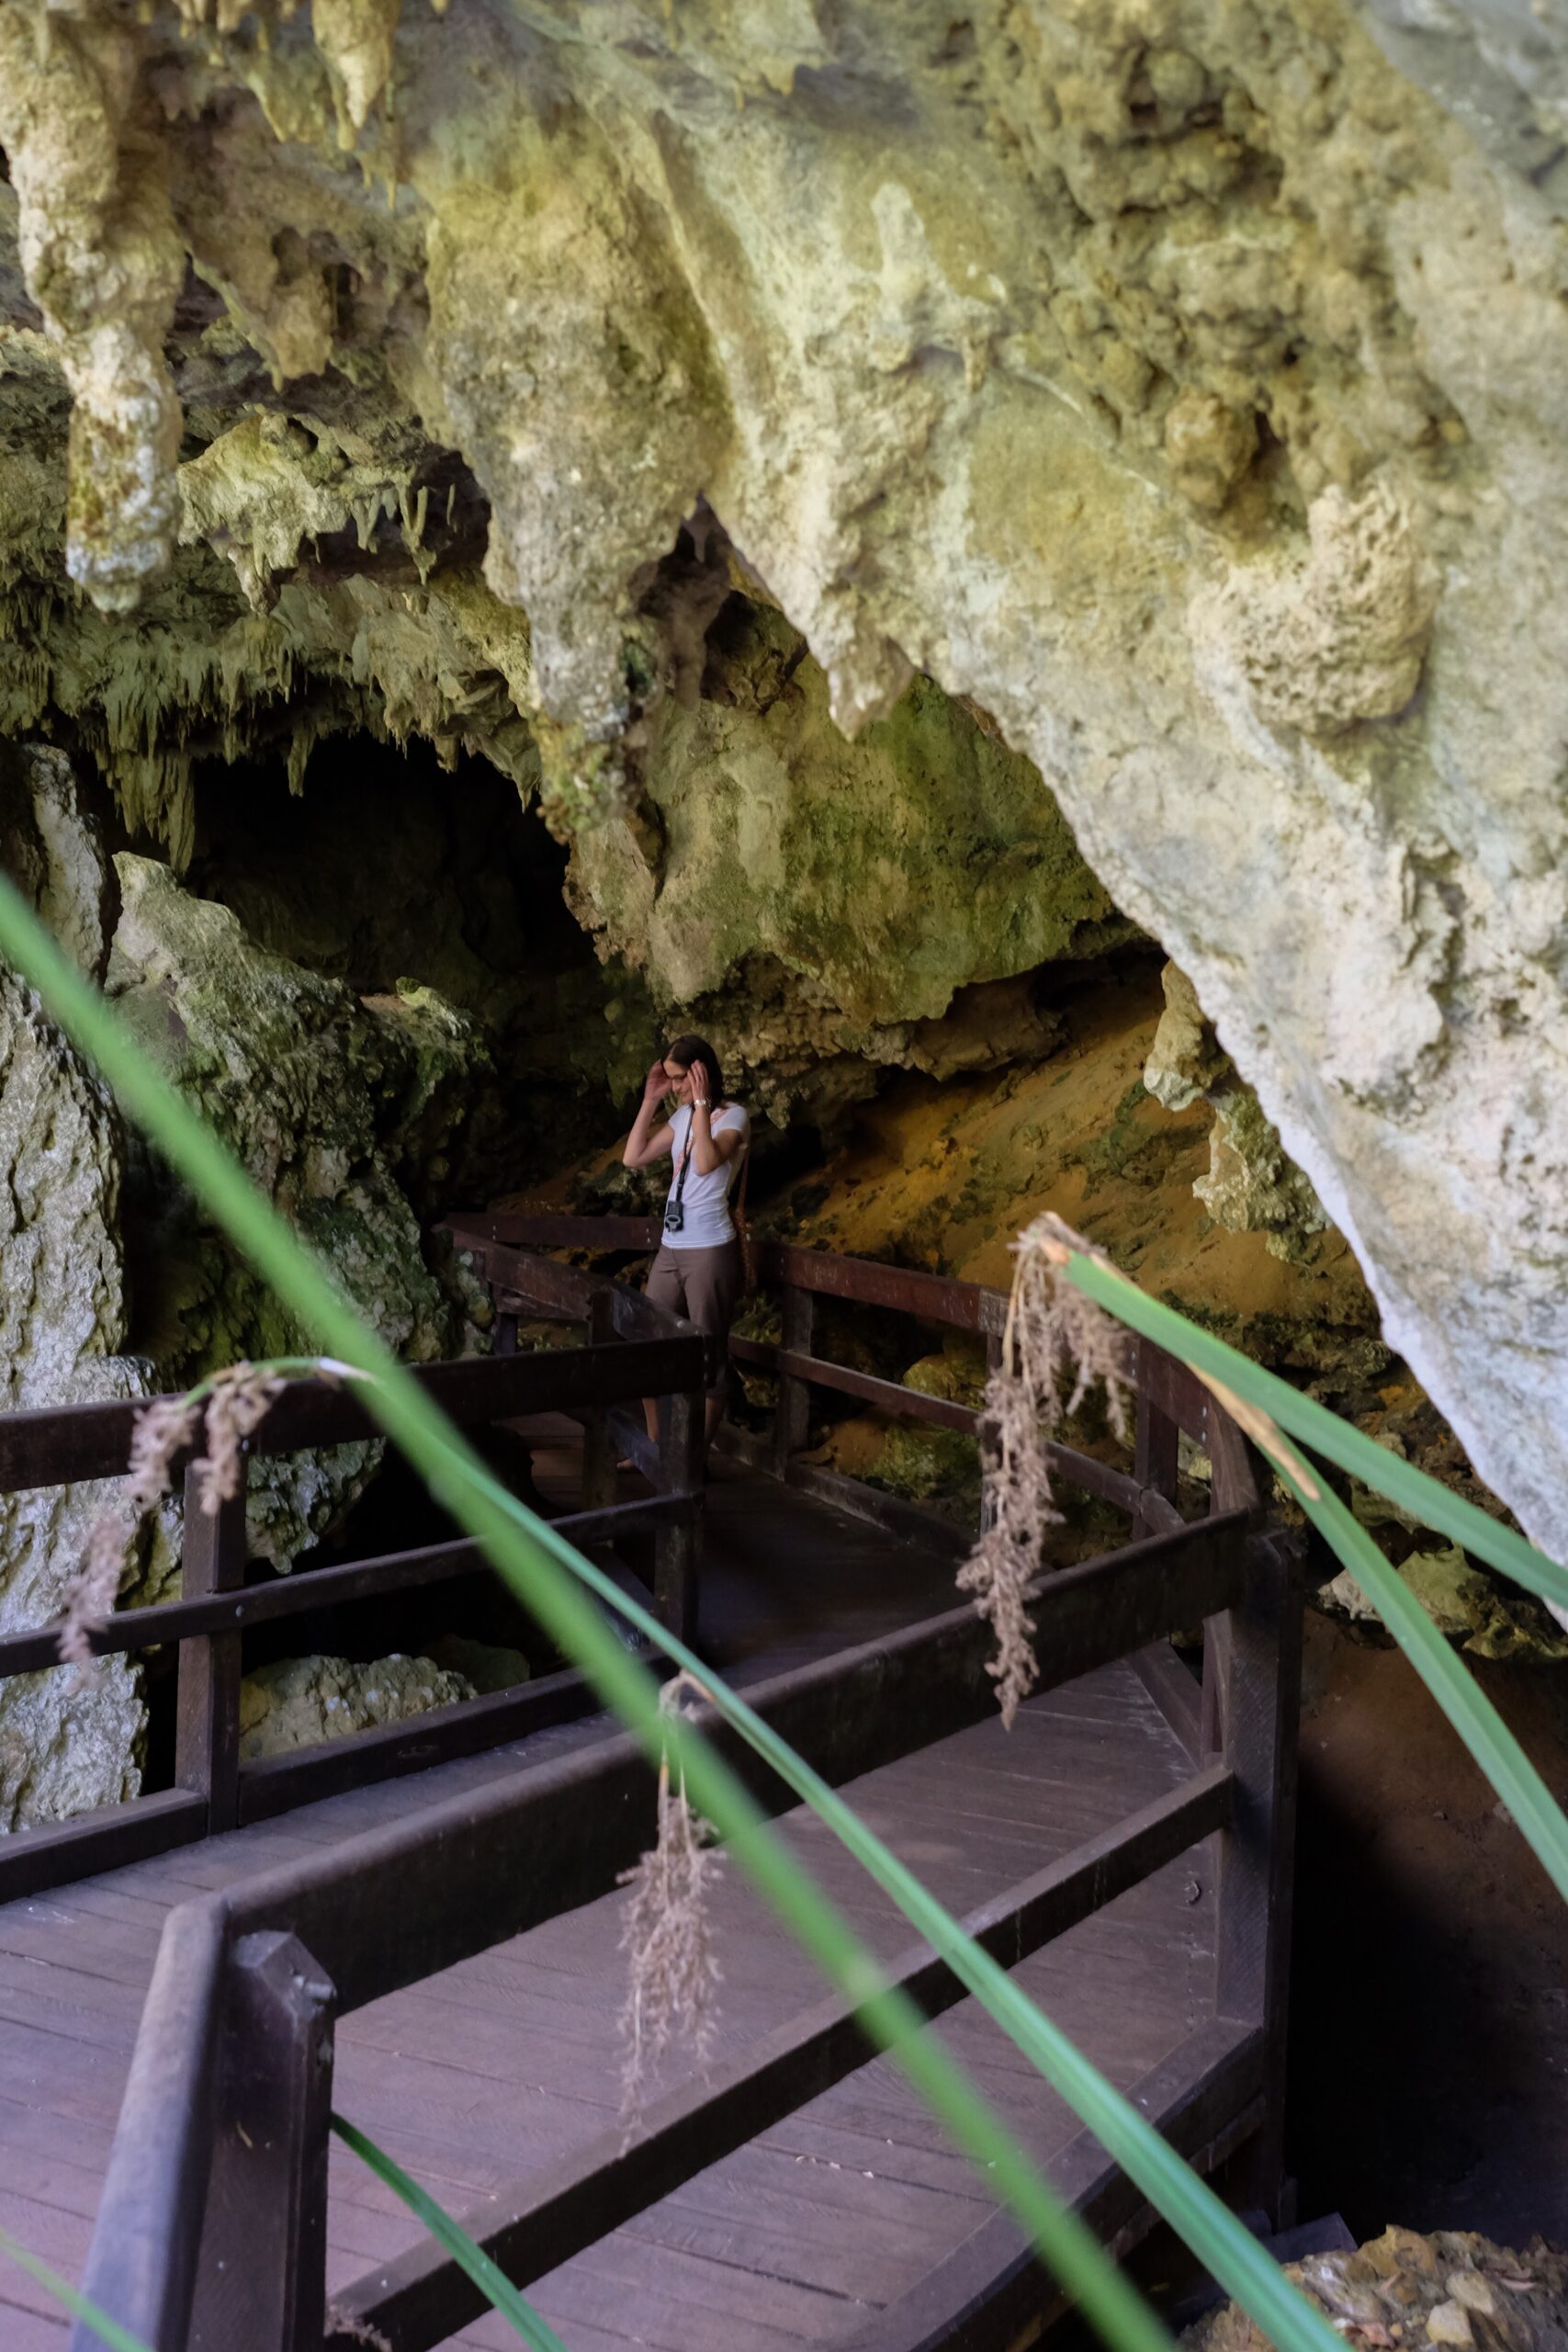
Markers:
{"x": 687, "y": 1050}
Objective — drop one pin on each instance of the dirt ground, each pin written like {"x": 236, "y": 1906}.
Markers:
{"x": 1430, "y": 2005}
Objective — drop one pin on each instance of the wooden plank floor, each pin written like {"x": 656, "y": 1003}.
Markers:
{"x": 802, "y": 2236}
{"x": 501, "y": 2065}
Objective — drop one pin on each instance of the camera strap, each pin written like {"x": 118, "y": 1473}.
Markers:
{"x": 735, "y": 1193}
{"x": 680, "y": 1171}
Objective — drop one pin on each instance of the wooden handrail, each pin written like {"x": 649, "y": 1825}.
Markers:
{"x": 58, "y": 1444}
{"x": 504, "y": 1249}
{"x": 654, "y": 1354}
{"x": 912, "y": 1404}
{"x": 312, "y": 1588}
{"x": 824, "y": 1273}
{"x": 657, "y": 1355}
{"x": 509, "y": 1861}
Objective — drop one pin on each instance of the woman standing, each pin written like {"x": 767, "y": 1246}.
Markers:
{"x": 699, "y": 1272}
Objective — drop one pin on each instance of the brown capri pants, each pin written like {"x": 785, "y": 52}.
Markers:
{"x": 706, "y": 1286}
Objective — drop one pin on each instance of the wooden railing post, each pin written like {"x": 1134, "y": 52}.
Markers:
{"x": 142, "y": 2266}
{"x": 598, "y": 1452}
{"x": 207, "y": 1733}
{"x": 792, "y": 1423}
{"x": 682, "y": 1450}
{"x": 986, "y": 1438}
{"x": 1158, "y": 1439}
{"x": 1252, "y": 1691}
{"x": 261, "y": 2282}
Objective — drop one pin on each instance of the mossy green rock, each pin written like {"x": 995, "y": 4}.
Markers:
{"x": 806, "y": 897}
{"x": 330, "y": 1103}
{"x": 302, "y": 1700}
{"x": 489, "y": 1665}
{"x": 63, "y": 1307}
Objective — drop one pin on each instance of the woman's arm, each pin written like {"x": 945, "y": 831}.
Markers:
{"x": 710, "y": 1151}
{"x": 646, "y": 1144}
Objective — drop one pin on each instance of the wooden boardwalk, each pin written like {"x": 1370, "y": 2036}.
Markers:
{"x": 509, "y": 2061}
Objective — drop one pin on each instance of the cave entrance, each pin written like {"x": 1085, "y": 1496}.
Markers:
{"x": 393, "y": 894}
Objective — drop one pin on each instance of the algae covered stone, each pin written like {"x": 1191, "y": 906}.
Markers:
{"x": 883, "y": 874}
{"x": 63, "y": 1307}
{"x": 489, "y": 1665}
{"x": 1252, "y": 1185}
{"x": 322, "y": 1098}
{"x": 302, "y": 1701}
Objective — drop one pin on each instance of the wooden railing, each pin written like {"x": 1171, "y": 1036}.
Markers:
{"x": 238, "y": 2021}
{"x": 503, "y": 1249}
{"x": 524, "y": 1284}
{"x": 213, "y": 1789}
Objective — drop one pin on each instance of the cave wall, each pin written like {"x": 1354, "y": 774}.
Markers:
{"x": 1184, "y": 385}
{"x": 383, "y": 872}
{"x": 826, "y": 909}
{"x": 342, "y": 1106}
{"x": 64, "y": 1309}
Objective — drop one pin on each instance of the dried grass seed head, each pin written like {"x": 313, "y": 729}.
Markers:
{"x": 358, "y": 2331}
{"x": 92, "y": 1592}
{"x": 1061, "y": 1334}
{"x": 238, "y": 1401}
{"x": 1055, "y": 1336}
{"x": 163, "y": 1429}
{"x": 240, "y": 1398}
{"x": 667, "y": 1933}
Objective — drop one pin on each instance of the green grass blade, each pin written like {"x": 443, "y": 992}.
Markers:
{"x": 1536, "y": 1812}
{"x": 491, "y": 2281}
{"x": 108, "y": 2331}
{"x": 1316, "y": 1427}
{"x": 456, "y": 1478}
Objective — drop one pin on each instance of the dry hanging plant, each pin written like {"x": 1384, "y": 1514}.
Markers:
{"x": 1053, "y": 1335}
{"x": 672, "y": 1970}
{"x": 233, "y": 1402}
{"x": 358, "y": 2331}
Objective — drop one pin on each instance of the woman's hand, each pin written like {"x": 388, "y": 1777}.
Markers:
{"x": 700, "y": 1088}
{"x": 648, "y": 1141}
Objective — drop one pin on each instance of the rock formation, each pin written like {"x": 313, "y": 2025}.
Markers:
{"x": 62, "y": 1305}
{"x": 827, "y": 908}
{"x": 337, "y": 1107}
{"x": 1453, "y": 2288}
{"x": 1250, "y": 1186}
{"x": 302, "y": 1701}
{"x": 316, "y": 1093}
{"x": 1184, "y": 387}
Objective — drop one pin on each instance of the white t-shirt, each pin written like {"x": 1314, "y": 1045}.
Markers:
{"x": 706, "y": 1223}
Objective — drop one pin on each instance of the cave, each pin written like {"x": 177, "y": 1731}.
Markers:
{"x": 1003, "y": 577}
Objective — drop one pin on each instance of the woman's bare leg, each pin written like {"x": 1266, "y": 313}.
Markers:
{"x": 713, "y": 1417}
{"x": 650, "y": 1415}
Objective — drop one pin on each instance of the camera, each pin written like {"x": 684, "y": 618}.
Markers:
{"x": 674, "y": 1217}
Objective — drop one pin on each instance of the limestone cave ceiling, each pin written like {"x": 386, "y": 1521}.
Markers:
{"x": 1182, "y": 386}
